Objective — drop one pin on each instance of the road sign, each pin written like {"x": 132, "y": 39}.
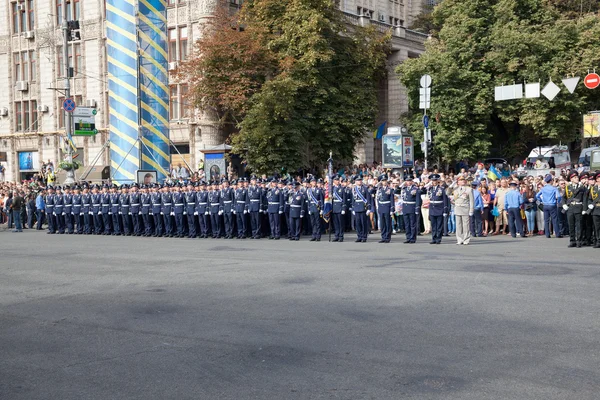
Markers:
{"x": 551, "y": 90}
{"x": 85, "y": 121}
{"x": 426, "y": 121}
{"x": 424, "y": 98}
{"x": 571, "y": 83}
{"x": 69, "y": 105}
{"x": 425, "y": 81}
{"x": 592, "y": 80}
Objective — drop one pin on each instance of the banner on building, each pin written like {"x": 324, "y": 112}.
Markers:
{"x": 591, "y": 125}
{"x": 29, "y": 161}
{"x": 392, "y": 151}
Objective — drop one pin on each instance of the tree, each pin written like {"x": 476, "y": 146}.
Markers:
{"x": 482, "y": 44}
{"x": 308, "y": 88}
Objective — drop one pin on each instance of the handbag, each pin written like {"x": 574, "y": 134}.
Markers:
{"x": 495, "y": 211}
{"x": 523, "y": 216}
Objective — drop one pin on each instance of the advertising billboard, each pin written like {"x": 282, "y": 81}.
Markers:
{"x": 29, "y": 161}
{"x": 591, "y": 125}
{"x": 392, "y": 150}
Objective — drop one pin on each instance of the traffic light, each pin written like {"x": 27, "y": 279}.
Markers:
{"x": 429, "y": 147}
{"x": 73, "y": 31}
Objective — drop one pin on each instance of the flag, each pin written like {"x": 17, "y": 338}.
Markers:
{"x": 327, "y": 207}
{"x": 70, "y": 142}
{"x": 378, "y": 134}
{"x": 493, "y": 173}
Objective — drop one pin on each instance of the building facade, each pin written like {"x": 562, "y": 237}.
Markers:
{"x": 31, "y": 116}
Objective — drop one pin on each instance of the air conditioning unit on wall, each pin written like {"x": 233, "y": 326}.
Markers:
{"x": 29, "y": 35}
{"x": 42, "y": 109}
{"x": 3, "y": 112}
{"x": 173, "y": 66}
{"x": 22, "y": 86}
{"x": 90, "y": 103}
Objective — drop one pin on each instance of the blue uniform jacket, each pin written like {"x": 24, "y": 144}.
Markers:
{"x": 96, "y": 201}
{"x": 201, "y": 202}
{"x": 385, "y": 200}
{"x": 315, "y": 198}
{"x": 114, "y": 203}
{"x": 255, "y": 196}
{"x": 190, "y": 202}
{"x": 146, "y": 202}
{"x": 166, "y": 203}
{"x": 124, "y": 204}
{"x": 86, "y": 203}
{"x": 438, "y": 201}
{"x": 361, "y": 199}
{"x": 227, "y": 199}
{"x": 77, "y": 204}
{"x": 214, "y": 201}
{"x": 105, "y": 203}
{"x": 241, "y": 200}
{"x": 339, "y": 199}
{"x": 178, "y": 202}
{"x": 411, "y": 200}
{"x": 135, "y": 203}
{"x": 297, "y": 204}
{"x": 275, "y": 201}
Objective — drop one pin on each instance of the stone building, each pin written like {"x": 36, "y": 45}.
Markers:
{"x": 31, "y": 115}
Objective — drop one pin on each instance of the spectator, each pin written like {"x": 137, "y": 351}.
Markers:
{"x": 530, "y": 207}
{"x": 502, "y": 218}
{"x": 2, "y": 170}
{"x": 15, "y": 207}
{"x": 40, "y": 206}
{"x": 485, "y": 216}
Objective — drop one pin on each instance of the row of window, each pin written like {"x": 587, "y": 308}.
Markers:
{"x": 25, "y": 65}
{"x": 26, "y": 116}
{"x": 178, "y": 41}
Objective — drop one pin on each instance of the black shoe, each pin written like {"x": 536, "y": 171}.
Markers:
{"x": 406, "y": 241}
{"x": 341, "y": 240}
{"x": 336, "y": 240}
{"x": 318, "y": 239}
{"x": 271, "y": 238}
{"x": 313, "y": 239}
{"x": 297, "y": 239}
{"x": 364, "y": 240}
{"x": 277, "y": 238}
{"x": 578, "y": 245}
{"x": 358, "y": 241}
{"x": 382, "y": 241}
{"x": 572, "y": 244}
{"x": 434, "y": 242}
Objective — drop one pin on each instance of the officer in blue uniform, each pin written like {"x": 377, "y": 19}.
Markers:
{"x": 385, "y": 207}
{"x": 77, "y": 211}
{"x": 438, "y": 208}
{"x": 275, "y": 204}
{"x": 50, "y": 210}
{"x": 215, "y": 210}
{"x": 296, "y": 211}
{"x": 96, "y": 209}
{"x": 86, "y": 209}
{"x": 338, "y": 212}
{"x": 114, "y": 210}
{"x": 241, "y": 209}
{"x": 512, "y": 204}
{"x": 156, "y": 200}
{"x": 105, "y": 209}
{"x": 348, "y": 198}
{"x": 316, "y": 199}
{"x": 166, "y": 210}
{"x": 255, "y": 196}
{"x": 178, "y": 210}
{"x": 146, "y": 209}
{"x": 59, "y": 210}
{"x": 593, "y": 205}
{"x": 135, "y": 208}
{"x": 362, "y": 205}
{"x": 227, "y": 196}
{"x": 549, "y": 197}
{"x": 203, "y": 210}
{"x": 411, "y": 208}
{"x": 125, "y": 209}
{"x": 68, "y": 202}
{"x": 190, "y": 209}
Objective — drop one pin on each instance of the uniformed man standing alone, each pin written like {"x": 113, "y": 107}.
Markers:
{"x": 463, "y": 211}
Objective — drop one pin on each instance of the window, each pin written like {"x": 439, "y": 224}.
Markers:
{"x": 365, "y": 11}
{"x": 31, "y": 19}
{"x": 18, "y": 117}
{"x": 183, "y": 101}
{"x": 76, "y": 9}
{"x": 26, "y": 116}
{"x": 25, "y": 65}
{"x": 15, "y": 17}
{"x": 75, "y": 62}
{"x": 18, "y": 67}
{"x": 183, "y": 40}
{"x": 172, "y": 45}
{"x": 78, "y": 66}
{"x": 61, "y": 113}
{"x": 73, "y": 10}
{"x": 174, "y": 103}
{"x": 171, "y": 3}
{"x": 59, "y": 12}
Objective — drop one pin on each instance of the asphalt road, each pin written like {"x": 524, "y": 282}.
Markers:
{"x": 96, "y": 317}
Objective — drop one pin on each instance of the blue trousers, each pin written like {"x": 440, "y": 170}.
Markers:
{"x": 338, "y": 225}
{"x": 515, "y": 224}
{"x": 551, "y": 215}
{"x": 437, "y": 227}
{"x": 40, "y": 218}
{"x": 410, "y": 224}
{"x": 275, "y": 223}
{"x": 361, "y": 222}
{"x": 385, "y": 220}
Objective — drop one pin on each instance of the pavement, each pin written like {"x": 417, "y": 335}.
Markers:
{"x": 102, "y": 317}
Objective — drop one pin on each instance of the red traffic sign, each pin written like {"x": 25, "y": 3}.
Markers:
{"x": 69, "y": 105}
{"x": 592, "y": 80}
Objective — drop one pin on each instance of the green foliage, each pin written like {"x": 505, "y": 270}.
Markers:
{"x": 315, "y": 91}
{"x": 483, "y": 44}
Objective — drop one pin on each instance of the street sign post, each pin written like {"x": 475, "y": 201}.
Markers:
{"x": 85, "y": 121}
{"x": 592, "y": 80}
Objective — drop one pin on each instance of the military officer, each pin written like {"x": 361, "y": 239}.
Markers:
{"x": 572, "y": 204}
{"x": 202, "y": 209}
{"x": 587, "y": 224}
{"x": 68, "y": 202}
{"x": 135, "y": 208}
{"x": 156, "y": 201}
{"x": 438, "y": 208}
{"x": 146, "y": 210}
{"x": 190, "y": 209}
{"x": 114, "y": 210}
{"x": 166, "y": 210}
{"x": 86, "y": 209}
{"x": 275, "y": 204}
{"x": 241, "y": 209}
{"x": 105, "y": 209}
{"x": 296, "y": 211}
{"x": 339, "y": 209}
{"x": 215, "y": 210}
{"x": 125, "y": 209}
{"x": 316, "y": 198}
{"x": 362, "y": 206}
{"x": 178, "y": 210}
{"x": 593, "y": 207}
{"x": 77, "y": 212}
{"x": 227, "y": 197}
{"x": 50, "y": 210}
{"x": 59, "y": 210}
{"x": 411, "y": 208}
{"x": 96, "y": 209}
{"x": 255, "y": 196}
{"x": 348, "y": 198}
{"x": 385, "y": 208}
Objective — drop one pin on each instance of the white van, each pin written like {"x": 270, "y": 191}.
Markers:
{"x": 542, "y": 160}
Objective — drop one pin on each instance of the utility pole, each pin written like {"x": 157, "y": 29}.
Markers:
{"x": 69, "y": 115}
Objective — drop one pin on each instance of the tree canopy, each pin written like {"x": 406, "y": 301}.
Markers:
{"x": 486, "y": 43}
{"x": 294, "y": 78}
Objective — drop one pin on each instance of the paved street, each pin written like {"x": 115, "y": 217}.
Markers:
{"x": 96, "y": 317}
